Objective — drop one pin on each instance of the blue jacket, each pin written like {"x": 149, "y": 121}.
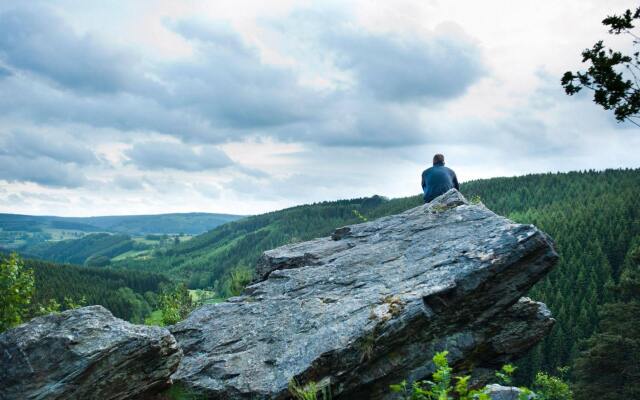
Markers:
{"x": 438, "y": 180}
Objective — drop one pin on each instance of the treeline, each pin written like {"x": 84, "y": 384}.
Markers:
{"x": 130, "y": 295}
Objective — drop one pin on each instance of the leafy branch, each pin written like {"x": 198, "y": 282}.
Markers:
{"x": 612, "y": 75}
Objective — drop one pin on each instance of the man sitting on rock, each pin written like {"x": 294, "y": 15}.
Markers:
{"x": 438, "y": 179}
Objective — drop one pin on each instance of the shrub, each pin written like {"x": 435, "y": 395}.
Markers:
{"x": 16, "y": 290}
{"x": 547, "y": 387}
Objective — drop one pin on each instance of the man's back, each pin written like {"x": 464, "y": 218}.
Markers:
{"x": 438, "y": 180}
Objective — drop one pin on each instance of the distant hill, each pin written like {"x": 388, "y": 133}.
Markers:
{"x": 99, "y": 247}
{"x": 95, "y": 241}
{"x": 187, "y": 223}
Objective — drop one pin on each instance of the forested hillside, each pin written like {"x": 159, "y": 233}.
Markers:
{"x": 130, "y": 295}
{"x": 96, "y": 247}
{"x": 593, "y": 216}
{"x": 187, "y": 223}
{"x": 19, "y": 231}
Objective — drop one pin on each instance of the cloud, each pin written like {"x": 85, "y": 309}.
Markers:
{"x": 154, "y": 155}
{"x": 38, "y": 41}
{"x": 54, "y": 145}
{"x": 48, "y": 158}
{"x": 128, "y": 182}
{"x": 228, "y": 83}
{"x": 43, "y": 171}
{"x": 226, "y": 91}
{"x": 4, "y": 72}
{"x": 408, "y": 68}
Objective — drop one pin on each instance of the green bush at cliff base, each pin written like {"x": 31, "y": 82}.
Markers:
{"x": 442, "y": 387}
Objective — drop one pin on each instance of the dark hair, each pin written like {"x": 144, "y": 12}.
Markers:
{"x": 438, "y": 159}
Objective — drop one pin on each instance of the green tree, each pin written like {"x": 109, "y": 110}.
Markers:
{"x": 549, "y": 387}
{"x": 610, "y": 366}
{"x": 16, "y": 291}
{"x": 175, "y": 304}
{"x": 611, "y": 75}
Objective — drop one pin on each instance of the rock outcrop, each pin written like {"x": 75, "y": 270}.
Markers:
{"x": 85, "y": 353}
{"x": 371, "y": 304}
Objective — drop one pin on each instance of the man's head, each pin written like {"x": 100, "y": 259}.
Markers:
{"x": 438, "y": 159}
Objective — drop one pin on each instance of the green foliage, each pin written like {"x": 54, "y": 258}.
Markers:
{"x": 137, "y": 225}
{"x": 155, "y": 318}
{"x": 359, "y": 215}
{"x": 16, "y": 291}
{"x": 440, "y": 388}
{"x": 53, "y": 306}
{"x": 128, "y": 295}
{"x": 94, "y": 249}
{"x": 505, "y": 375}
{"x": 609, "y": 366}
{"x": 612, "y": 75}
{"x": 548, "y": 387}
{"x": 309, "y": 391}
{"x": 475, "y": 199}
{"x": 237, "y": 279}
{"x": 175, "y": 304}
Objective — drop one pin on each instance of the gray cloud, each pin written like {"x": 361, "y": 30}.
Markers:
{"x": 165, "y": 155}
{"x": 40, "y": 42}
{"x": 43, "y": 171}
{"x": 60, "y": 147}
{"x": 42, "y": 104}
{"x": 128, "y": 182}
{"x": 226, "y": 92}
{"x": 395, "y": 68}
{"x": 4, "y": 72}
{"x": 230, "y": 85}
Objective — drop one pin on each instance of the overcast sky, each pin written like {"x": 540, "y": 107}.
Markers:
{"x": 243, "y": 107}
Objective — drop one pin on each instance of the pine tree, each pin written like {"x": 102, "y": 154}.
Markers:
{"x": 609, "y": 369}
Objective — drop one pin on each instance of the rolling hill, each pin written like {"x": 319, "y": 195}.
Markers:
{"x": 187, "y": 223}
{"x": 39, "y": 235}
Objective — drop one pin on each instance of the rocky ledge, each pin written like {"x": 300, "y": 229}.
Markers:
{"x": 371, "y": 304}
{"x": 85, "y": 353}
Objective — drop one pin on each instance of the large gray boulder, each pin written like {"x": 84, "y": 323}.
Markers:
{"x": 371, "y": 304}
{"x": 85, "y": 353}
